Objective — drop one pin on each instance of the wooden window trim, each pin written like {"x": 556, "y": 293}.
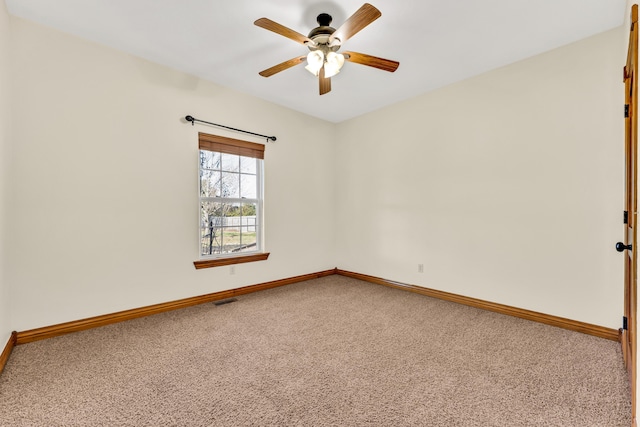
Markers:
{"x": 230, "y": 146}
{"x": 218, "y": 262}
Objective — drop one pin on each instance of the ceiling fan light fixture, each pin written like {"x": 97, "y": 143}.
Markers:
{"x": 315, "y": 60}
{"x": 334, "y": 64}
{"x": 324, "y": 41}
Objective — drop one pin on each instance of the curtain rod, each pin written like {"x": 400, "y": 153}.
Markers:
{"x": 193, "y": 120}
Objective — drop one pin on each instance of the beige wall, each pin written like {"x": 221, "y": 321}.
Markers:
{"x": 104, "y": 207}
{"x": 5, "y": 122}
{"x": 507, "y": 186}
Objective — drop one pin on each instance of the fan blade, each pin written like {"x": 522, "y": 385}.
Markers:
{"x": 325, "y": 82}
{"x": 270, "y": 25}
{"x": 371, "y": 61}
{"x": 282, "y": 66}
{"x": 356, "y": 22}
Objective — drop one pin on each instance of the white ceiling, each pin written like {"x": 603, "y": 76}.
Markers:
{"x": 437, "y": 42}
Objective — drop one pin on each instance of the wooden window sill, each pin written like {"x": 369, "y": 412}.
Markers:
{"x": 217, "y": 262}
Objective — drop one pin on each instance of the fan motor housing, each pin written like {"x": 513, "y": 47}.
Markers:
{"x": 320, "y": 35}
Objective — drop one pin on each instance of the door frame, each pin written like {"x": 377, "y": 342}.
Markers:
{"x": 628, "y": 337}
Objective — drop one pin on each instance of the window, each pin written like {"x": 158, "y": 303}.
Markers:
{"x": 230, "y": 201}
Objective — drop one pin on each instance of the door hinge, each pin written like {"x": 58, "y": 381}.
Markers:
{"x": 626, "y": 111}
{"x": 625, "y": 322}
{"x": 626, "y": 217}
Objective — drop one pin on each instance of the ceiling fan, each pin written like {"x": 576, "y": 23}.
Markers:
{"x": 324, "y": 42}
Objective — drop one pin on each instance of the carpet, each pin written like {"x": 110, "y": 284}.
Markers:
{"x": 332, "y": 351}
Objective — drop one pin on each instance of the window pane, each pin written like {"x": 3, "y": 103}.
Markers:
{"x": 230, "y": 186}
{"x": 248, "y": 242}
{"x": 248, "y": 165}
{"x": 228, "y": 228}
{"x": 230, "y": 162}
{"x": 209, "y": 183}
{"x": 211, "y": 228}
{"x": 210, "y": 242}
{"x": 248, "y": 186}
{"x": 209, "y": 160}
{"x": 212, "y": 211}
{"x": 249, "y": 227}
{"x": 249, "y": 215}
{"x": 232, "y": 236}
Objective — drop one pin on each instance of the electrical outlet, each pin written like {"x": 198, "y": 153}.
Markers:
{"x": 233, "y": 269}
{"x": 420, "y": 268}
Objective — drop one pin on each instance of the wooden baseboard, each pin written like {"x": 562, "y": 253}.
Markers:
{"x": 94, "y": 322}
{"x": 573, "y": 325}
{"x": 107, "y": 319}
{"x": 4, "y": 357}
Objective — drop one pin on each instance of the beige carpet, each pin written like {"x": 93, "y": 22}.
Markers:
{"x": 329, "y": 352}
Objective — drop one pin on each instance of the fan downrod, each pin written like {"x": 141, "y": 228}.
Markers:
{"x": 324, "y": 19}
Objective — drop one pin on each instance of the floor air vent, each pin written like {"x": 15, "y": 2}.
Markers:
{"x": 225, "y": 301}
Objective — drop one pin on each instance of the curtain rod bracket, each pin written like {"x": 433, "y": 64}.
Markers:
{"x": 193, "y": 120}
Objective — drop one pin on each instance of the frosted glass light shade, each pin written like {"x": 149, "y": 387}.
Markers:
{"x": 334, "y": 63}
{"x": 315, "y": 59}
